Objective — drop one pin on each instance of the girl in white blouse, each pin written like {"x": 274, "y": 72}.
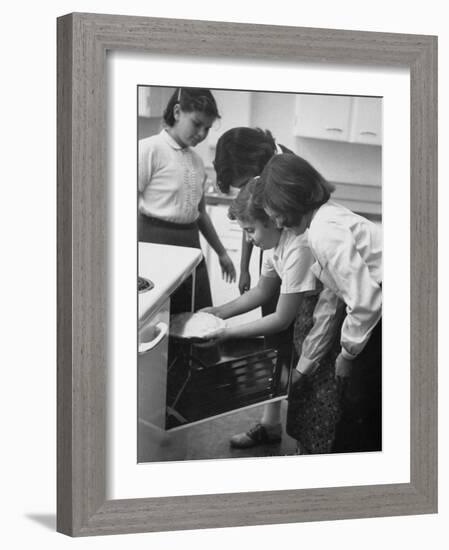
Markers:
{"x": 348, "y": 261}
{"x": 171, "y": 184}
{"x": 286, "y": 273}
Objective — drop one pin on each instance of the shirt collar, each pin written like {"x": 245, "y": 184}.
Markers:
{"x": 174, "y": 144}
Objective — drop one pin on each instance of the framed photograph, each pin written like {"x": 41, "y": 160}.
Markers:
{"x": 145, "y": 410}
{"x": 182, "y": 384}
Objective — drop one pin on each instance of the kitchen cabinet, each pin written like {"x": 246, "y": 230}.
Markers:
{"x": 152, "y": 368}
{"x": 152, "y": 100}
{"x": 162, "y": 268}
{"x": 339, "y": 118}
{"x": 366, "y": 120}
{"x": 231, "y": 236}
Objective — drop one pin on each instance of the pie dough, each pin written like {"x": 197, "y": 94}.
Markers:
{"x": 194, "y": 325}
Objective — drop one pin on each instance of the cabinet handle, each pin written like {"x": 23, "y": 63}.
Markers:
{"x": 147, "y": 346}
{"x": 368, "y": 133}
{"x": 232, "y": 249}
{"x": 334, "y": 130}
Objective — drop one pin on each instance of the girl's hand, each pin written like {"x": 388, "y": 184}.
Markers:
{"x": 298, "y": 381}
{"x": 213, "y": 310}
{"x": 244, "y": 282}
{"x": 348, "y": 380}
{"x": 215, "y": 336}
{"x": 343, "y": 367}
{"x": 227, "y": 267}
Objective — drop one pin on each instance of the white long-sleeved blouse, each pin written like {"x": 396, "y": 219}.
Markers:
{"x": 348, "y": 261}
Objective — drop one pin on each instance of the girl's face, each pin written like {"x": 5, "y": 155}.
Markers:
{"x": 190, "y": 128}
{"x": 263, "y": 235}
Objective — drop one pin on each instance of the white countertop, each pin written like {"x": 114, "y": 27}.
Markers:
{"x": 167, "y": 267}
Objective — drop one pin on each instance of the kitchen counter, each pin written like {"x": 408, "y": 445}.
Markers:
{"x": 166, "y": 267}
{"x": 214, "y": 198}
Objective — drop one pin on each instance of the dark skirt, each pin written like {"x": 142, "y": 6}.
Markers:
{"x": 360, "y": 426}
{"x": 152, "y": 230}
{"x": 314, "y": 409}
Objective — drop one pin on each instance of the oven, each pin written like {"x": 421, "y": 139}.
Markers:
{"x": 207, "y": 382}
{"x": 182, "y": 383}
{"x": 151, "y": 365}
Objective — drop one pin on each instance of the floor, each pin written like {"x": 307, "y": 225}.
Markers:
{"x": 210, "y": 439}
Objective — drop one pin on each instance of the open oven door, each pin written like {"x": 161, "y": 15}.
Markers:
{"x": 181, "y": 383}
{"x": 207, "y": 382}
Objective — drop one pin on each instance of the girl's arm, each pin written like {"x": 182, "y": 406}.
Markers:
{"x": 281, "y": 319}
{"x": 327, "y": 317}
{"x": 360, "y": 291}
{"x": 257, "y": 296}
{"x": 361, "y": 306}
{"x": 208, "y": 230}
{"x": 245, "y": 277}
{"x": 284, "y": 315}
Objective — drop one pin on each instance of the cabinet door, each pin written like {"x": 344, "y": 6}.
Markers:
{"x": 152, "y": 370}
{"x": 367, "y": 120}
{"x": 323, "y": 117}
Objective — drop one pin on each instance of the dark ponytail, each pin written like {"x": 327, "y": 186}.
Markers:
{"x": 189, "y": 100}
{"x": 292, "y": 187}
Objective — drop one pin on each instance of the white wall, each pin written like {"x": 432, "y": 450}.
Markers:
{"x": 341, "y": 162}
{"x": 28, "y": 255}
{"x": 355, "y": 168}
{"x": 275, "y": 112}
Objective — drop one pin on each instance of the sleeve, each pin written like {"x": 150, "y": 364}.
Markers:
{"x": 296, "y": 273}
{"x": 360, "y": 292}
{"x": 145, "y": 164}
{"x": 327, "y": 315}
{"x": 268, "y": 269}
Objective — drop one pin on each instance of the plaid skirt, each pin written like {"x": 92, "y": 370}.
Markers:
{"x": 314, "y": 410}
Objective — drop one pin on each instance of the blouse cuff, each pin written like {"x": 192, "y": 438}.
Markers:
{"x": 305, "y": 365}
{"x": 347, "y": 355}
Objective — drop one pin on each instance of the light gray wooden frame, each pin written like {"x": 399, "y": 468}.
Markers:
{"x": 83, "y": 40}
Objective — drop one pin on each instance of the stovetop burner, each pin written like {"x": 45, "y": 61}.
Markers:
{"x": 143, "y": 285}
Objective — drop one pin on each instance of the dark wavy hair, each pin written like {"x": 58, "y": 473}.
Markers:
{"x": 191, "y": 99}
{"x": 292, "y": 187}
{"x": 242, "y": 152}
{"x": 248, "y": 206}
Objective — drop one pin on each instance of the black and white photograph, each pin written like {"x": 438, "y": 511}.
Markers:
{"x": 209, "y": 207}
{"x": 259, "y": 235}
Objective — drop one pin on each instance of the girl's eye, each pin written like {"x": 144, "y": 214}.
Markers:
{"x": 198, "y": 125}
